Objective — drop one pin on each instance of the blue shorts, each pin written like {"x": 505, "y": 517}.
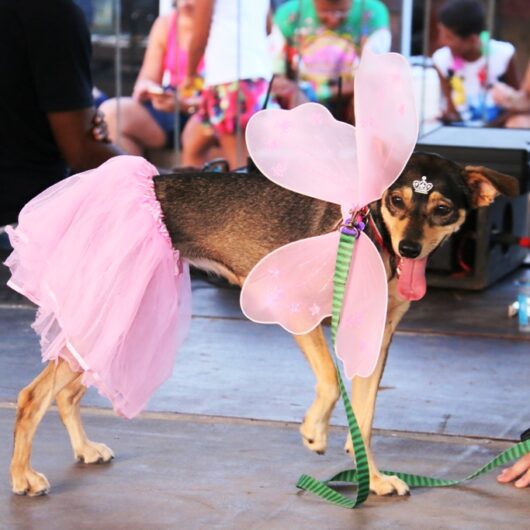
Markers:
{"x": 166, "y": 121}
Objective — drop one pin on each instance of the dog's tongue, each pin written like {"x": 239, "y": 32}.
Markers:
{"x": 411, "y": 282}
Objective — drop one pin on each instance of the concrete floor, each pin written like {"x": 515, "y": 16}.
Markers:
{"x": 218, "y": 447}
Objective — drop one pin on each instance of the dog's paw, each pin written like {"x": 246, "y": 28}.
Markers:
{"x": 314, "y": 435}
{"x": 94, "y": 453}
{"x": 29, "y": 482}
{"x": 382, "y": 484}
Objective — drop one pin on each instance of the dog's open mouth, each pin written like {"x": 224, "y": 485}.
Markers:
{"x": 411, "y": 278}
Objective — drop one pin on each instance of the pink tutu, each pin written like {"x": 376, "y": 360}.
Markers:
{"x": 114, "y": 299}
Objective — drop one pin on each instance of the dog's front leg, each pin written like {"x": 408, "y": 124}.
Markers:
{"x": 69, "y": 405}
{"x": 364, "y": 394}
{"x": 33, "y": 402}
{"x": 314, "y": 428}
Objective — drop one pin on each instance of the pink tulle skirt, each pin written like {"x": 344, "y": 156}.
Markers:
{"x": 114, "y": 299}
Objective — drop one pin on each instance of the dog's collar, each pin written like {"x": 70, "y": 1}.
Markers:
{"x": 377, "y": 239}
{"x": 376, "y": 233}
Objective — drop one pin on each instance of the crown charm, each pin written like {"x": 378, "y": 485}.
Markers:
{"x": 422, "y": 186}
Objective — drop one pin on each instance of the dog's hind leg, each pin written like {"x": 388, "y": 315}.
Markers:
{"x": 33, "y": 402}
{"x": 69, "y": 405}
{"x": 314, "y": 428}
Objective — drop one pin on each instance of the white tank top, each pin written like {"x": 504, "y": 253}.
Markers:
{"x": 237, "y": 45}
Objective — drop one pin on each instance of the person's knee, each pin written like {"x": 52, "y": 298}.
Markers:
{"x": 114, "y": 106}
{"x": 108, "y": 108}
{"x": 196, "y": 138}
{"x": 518, "y": 121}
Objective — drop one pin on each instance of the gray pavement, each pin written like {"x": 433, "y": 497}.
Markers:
{"x": 218, "y": 447}
{"x": 196, "y": 472}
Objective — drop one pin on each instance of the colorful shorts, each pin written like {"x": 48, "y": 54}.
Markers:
{"x": 221, "y": 108}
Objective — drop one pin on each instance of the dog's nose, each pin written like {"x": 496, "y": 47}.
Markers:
{"x": 409, "y": 249}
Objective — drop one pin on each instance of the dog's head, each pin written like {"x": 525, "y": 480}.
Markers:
{"x": 429, "y": 202}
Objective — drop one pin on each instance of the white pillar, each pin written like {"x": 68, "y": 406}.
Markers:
{"x": 406, "y": 27}
{"x": 165, "y": 6}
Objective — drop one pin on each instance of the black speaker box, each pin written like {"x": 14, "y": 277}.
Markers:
{"x": 485, "y": 248}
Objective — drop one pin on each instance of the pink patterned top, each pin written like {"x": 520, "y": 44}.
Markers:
{"x": 176, "y": 58}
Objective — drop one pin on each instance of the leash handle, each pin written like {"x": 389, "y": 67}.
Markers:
{"x": 361, "y": 476}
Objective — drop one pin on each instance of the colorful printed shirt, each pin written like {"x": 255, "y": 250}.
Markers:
{"x": 319, "y": 54}
{"x": 471, "y": 82}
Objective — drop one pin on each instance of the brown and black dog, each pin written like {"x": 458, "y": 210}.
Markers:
{"x": 225, "y": 223}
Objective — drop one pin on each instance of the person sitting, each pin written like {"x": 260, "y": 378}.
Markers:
{"x": 516, "y": 102}
{"x": 469, "y": 62}
{"x": 319, "y": 41}
{"x": 147, "y": 119}
{"x": 232, "y": 35}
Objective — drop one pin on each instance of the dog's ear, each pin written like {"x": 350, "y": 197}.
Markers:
{"x": 486, "y": 184}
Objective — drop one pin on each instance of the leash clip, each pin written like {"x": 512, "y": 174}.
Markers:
{"x": 354, "y": 225}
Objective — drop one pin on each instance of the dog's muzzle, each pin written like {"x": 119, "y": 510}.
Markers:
{"x": 409, "y": 249}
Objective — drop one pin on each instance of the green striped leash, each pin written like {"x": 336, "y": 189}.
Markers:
{"x": 360, "y": 476}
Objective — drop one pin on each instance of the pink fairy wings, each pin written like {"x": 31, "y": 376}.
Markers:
{"x": 293, "y": 285}
{"x": 306, "y": 150}
{"x": 386, "y": 121}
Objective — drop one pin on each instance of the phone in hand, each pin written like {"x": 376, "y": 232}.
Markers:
{"x": 155, "y": 89}
{"x": 158, "y": 89}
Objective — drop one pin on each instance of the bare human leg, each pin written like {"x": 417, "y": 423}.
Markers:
{"x": 133, "y": 129}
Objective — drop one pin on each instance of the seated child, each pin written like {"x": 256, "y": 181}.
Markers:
{"x": 318, "y": 41}
{"x": 470, "y": 62}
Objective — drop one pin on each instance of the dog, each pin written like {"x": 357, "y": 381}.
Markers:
{"x": 224, "y": 223}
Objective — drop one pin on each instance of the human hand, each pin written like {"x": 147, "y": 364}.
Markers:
{"x": 503, "y": 94}
{"x": 189, "y": 105}
{"x": 191, "y": 86}
{"x": 99, "y": 128}
{"x": 287, "y": 92}
{"x": 187, "y": 82}
{"x": 283, "y": 87}
{"x": 519, "y": 472}
{"x": 450, "y": 116}
{"x": 165, "y": 101}
{"x": 509, "y": 98}
{"x": 143, "y": 89}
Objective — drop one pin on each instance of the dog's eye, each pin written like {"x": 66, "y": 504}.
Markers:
{"x": 397, "y": 201}
{"x": 442, "y": 209}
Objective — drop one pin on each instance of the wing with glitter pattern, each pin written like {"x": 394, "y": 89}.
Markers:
{"x": 293, "y": 286}
{"x": 307, "y": 151}
{"x": 362, "y": 320}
